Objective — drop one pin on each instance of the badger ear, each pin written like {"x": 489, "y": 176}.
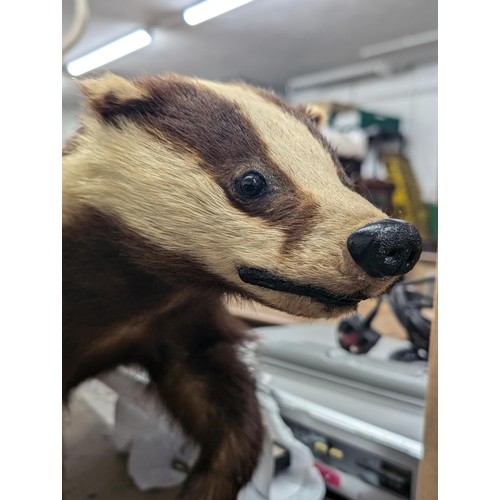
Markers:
{"x": 109, "y": 92}
{"x": 316, "y": 113}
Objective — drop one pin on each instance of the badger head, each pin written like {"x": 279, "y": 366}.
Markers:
{"x": 237, "y": 182}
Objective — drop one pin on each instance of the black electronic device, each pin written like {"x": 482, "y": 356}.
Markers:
{"x": 356, "y": 334}
{"x": 336, "y": 455}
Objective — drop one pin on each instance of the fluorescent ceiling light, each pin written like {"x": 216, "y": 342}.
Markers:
{"x": 208, "y": 9}
{"x": 364, "y": 69}
{"x": 405, "y": 42}
{"x": 114, "y": 50}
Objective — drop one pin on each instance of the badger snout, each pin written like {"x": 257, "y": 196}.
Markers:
{"x": 389, "y": 247}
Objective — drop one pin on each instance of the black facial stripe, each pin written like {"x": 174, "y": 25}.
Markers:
{"x": 265, "y": 279}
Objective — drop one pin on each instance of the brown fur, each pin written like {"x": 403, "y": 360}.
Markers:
{"x": 154, "y": 233}
{"x": 116, "y": 310}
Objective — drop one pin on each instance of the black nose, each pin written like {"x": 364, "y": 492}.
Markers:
{"x": 388, "y": 247}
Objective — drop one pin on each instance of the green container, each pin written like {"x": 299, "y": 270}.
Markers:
{"x": 384, "y": 123}
{"x": 363, "y": 119}
{"x": 432, "y": 209}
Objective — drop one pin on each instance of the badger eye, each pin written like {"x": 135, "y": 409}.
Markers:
{"x": 252, "y": 184}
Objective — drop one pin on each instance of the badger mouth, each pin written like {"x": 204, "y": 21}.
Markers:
{"x": 265, "y": 279}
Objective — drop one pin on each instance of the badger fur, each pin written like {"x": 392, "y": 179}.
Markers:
{"x": 176, "y": 193}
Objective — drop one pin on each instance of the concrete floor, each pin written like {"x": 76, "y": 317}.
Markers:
{"x": 92, "y": 468}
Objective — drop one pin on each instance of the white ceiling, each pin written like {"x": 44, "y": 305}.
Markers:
{"x": 265, "y": 42}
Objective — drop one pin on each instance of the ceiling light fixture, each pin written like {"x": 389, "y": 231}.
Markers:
{"x": 342, "y": 74}
{"x": 208, "y": 9}
{"x": 109, "y": 52}
{"x": 405, "y": 42}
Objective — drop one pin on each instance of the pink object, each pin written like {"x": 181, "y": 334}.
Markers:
{"x": 329, "y": 475}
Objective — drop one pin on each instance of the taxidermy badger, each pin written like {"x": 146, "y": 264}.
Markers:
{"x": 178, "y": 192}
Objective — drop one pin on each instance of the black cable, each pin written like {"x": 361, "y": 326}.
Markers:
{"x": 407, "y": 304}
{"x": 357, "y": 336}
